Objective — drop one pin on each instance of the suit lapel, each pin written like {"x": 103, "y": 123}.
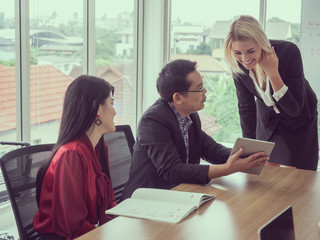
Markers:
{"x": 248, "y": 81}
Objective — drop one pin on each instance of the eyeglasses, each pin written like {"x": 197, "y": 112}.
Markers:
{"x": 200, "y": 90}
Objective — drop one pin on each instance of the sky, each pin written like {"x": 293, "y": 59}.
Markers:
{"x": 195, "y": 11}
{"x": 208, "y": 11}
{"x": 68, "y": 7}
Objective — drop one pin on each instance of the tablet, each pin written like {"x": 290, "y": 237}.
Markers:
{"x": 280, "y": 227}
{"x": 251, "y": 146}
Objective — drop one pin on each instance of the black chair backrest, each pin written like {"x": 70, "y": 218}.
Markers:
{"x": 19, "y": 168}
{"x": 8, "y": 146}
{"x": 120, "y": 145}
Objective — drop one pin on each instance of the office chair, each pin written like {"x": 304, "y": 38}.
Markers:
{"x": 3, "y": 191}
{"x": 120, "y": 145}
{"x": 19, "y": 168}
{"x": 15, "y": 143}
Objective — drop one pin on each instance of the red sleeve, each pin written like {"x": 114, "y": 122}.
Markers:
{"x": 69, "y": 193}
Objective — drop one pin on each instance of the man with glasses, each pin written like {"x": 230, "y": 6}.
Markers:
{"x": 170, "y": 141}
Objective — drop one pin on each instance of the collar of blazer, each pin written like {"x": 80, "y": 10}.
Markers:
{"x": 248, "y": 82}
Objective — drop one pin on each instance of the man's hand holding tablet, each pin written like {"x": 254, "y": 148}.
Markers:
{"x": 250, "y": 149}
{"x": 247, "y": 155}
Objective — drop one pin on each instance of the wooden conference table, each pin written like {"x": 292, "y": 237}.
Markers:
{"x": 243, "y": 204}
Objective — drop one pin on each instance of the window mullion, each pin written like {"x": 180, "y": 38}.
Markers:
{"x": 22, "y": 71}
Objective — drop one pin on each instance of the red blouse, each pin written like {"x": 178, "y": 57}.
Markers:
{"x": 75, "y": 192}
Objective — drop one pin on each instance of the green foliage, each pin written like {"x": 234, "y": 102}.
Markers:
{"x": 222, "y": 103}
{"x": 33, "y": 59}
{"x": 9, "y": 63}
{"x": 103, "y": 62}
{"x": 295, "y": 28}
{"x": 34, "y": 54}
{"x": 105, "y": 41}
{"x": 202, "y": 49}
{"x": 105, "y": 46}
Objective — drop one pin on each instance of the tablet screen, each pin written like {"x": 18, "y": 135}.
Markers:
{"x": 279, "y": 228}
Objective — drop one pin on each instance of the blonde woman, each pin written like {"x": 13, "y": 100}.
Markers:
{"x": 275, "y": 101}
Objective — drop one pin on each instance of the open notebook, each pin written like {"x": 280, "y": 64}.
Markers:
{"x": 160, "y": 205}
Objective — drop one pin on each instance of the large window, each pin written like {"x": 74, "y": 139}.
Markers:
{"x": 197, "y": 34}
{"x": 57, "y": 55}
{"x": 56, "y": 43}
{"x": 53, "y": 52}
{"x": 283, "y": 25}
{"x": 115, "y": 38}
{"x": 8, "y": 118}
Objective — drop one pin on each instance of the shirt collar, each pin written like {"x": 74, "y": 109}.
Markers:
{"x": 186, "y": 122}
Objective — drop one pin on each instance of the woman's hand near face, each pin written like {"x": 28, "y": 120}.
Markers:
{"x": 270, "y": 63}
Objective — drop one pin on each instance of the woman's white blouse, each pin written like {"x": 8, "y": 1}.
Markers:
{"x": 266, "y": 95}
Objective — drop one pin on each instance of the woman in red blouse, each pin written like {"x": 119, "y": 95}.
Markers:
{"x": 73, "y": 186}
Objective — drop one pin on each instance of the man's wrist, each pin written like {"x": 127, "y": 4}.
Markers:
{"x": 218, "y": 171}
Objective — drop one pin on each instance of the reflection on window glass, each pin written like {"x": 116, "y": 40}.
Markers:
{"x": 283, "y": 25}
{"x": 56, "y": 42}
{"x": 197, "y": 34}
{"x": 114, "y": 53}
{"x": 7, "y": 74}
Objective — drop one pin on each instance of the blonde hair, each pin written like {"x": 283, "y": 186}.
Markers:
{"x": 245, "y": 28}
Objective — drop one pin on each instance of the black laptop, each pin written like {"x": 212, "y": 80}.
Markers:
{"x": 279, "y": 227}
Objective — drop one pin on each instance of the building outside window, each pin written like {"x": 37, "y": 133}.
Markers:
{"x": 115, "y": 34}
{"x": 56, "y": 52}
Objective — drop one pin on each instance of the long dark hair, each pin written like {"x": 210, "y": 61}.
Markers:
{"x": 81, "y": 102}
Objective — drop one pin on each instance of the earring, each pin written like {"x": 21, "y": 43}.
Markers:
{"x": 98, "y": 121}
